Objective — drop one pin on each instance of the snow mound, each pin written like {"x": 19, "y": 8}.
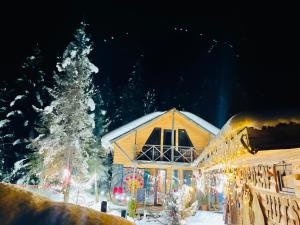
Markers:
{"x": 201, "y": 218}
{"x": 20, "y": 207}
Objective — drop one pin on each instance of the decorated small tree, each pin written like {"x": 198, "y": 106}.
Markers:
{"x": 204, "y": 200}
{"x": 132, "y": 208}
{"x": 178, "y": 206}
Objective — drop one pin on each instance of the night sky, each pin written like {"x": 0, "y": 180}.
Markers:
{"x": 253, "y": 66}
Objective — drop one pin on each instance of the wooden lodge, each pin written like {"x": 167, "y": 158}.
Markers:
{"x": 254, "y": 161}
{"x": 154, "y": 154}
{"x": 259, "y": 155}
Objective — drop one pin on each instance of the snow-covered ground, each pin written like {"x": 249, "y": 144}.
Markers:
{"x": 87, "y": 200}
{"x": 206, "y": 218}
{"x": 201, "y": 218}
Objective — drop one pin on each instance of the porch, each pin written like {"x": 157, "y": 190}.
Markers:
{"x": 165, "y": 153}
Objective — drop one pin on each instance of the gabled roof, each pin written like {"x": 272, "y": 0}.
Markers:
{"x": 121, "y": 131}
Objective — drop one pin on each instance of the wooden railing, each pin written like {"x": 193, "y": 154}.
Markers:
{"x": 166, "y": 153}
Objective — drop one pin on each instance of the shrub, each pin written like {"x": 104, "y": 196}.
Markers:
{"x": 131, "y": 208}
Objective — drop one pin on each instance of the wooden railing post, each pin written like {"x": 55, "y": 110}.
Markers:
{"x": 152, "y": 153}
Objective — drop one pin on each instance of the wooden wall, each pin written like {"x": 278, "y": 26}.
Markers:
{"x": 199, "y": 136}
{"x": 264, "y": 192}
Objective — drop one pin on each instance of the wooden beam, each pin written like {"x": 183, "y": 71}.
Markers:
{"x": 170, "y": 165}
{"x": 124, "y": 152}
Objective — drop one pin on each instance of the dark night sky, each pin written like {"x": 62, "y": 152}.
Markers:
{"x": 264, "y": 76}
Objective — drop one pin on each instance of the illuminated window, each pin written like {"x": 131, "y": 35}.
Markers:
{"x": 187, "y": 177}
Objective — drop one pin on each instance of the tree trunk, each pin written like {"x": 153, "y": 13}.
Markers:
{"x": 96, "y": 189}
{"x": 68, "y": 174}
{"x": 66, "y": 192}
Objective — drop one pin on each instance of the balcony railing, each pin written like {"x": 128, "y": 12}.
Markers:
{"x": 166, "y": 153}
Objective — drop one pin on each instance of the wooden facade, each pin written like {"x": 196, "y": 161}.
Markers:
{"x": 260, "y": 158}
{"x": 164, "y": 156}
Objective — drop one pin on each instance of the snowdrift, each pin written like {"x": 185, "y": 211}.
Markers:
{"x": 20, "y": 207}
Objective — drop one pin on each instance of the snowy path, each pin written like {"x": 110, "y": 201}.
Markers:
{"x": 201, "y": 218}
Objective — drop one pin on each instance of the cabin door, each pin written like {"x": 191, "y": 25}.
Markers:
{"x": 155, "y": 185}
{"x": 159, "y": 186}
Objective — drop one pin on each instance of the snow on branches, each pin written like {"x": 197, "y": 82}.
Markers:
{"x": 178, "y": 206}
{"x": 69, "y": 117}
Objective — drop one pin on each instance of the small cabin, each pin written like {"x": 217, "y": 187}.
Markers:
{"x": 255, "y": 162}
{"x": 153, "y": 154}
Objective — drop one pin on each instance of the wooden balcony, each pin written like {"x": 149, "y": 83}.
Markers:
{"x": 166, "y": 153}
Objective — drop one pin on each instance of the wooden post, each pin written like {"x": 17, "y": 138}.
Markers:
{"x": 124, "y": 152}
{"x": 161, "y": 144}
{"x": 135, "y": 148}
{"x": 173, "y": 137}
{"x": 152, "y": 159}
{"x": 172, "y": 149}
{"x": 132, "y": 191}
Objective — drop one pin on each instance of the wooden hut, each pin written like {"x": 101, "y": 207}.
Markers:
{"x": 153, "y": 154}
{"x": 259, "y": 154}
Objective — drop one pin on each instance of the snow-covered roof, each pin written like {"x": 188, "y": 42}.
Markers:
{"x": 105, "y": 140}
{"x": 108, "y": 138}
{"x": 257, "y": 120}
{"x": 206, "y": 125}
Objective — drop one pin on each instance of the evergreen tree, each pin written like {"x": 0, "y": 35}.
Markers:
{"x": 66, "y": 150}
{"x": 181, "y": 94}
{"x": 105, "y": 104}
{"x": 149, "y": 102}
{"x": 29, "y": 92}
{"x": 112, "y": 115}
{"x": 102, "y": 161}
{"x": 131, "y": 98}
{"x": 6, "y": 132}
{"x": 178, "y": 206}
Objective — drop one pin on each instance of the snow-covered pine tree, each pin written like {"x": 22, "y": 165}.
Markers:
{"x": 149, "y": 102}
{"x": 131, "y": 99}
{"x": 32, "y": 87}
{"x": 65, "y": 151}
{"x": 28, "y": 91}
{"x": 101, "y": 162}
{"x": 6, "y": 133}
{"x": 102, "y": 118}
{"x": 178, "y": 206}
{"x": 109, "y": 99}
